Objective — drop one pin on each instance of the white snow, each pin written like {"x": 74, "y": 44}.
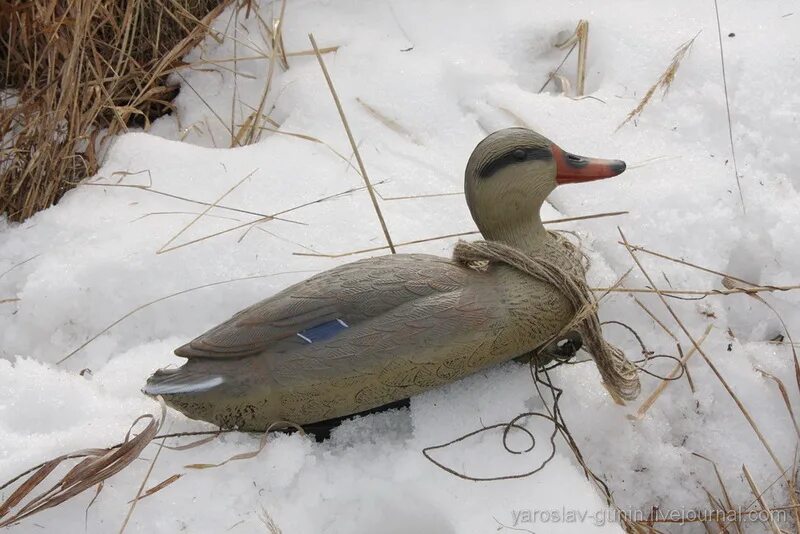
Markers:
{"x": 474, "y": 66}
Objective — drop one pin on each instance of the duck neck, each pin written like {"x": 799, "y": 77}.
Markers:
{"x": 529, "y": 236}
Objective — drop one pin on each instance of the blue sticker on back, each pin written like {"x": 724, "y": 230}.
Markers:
{"x": 322, "y": 331}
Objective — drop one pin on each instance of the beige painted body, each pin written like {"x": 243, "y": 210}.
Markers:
{"x": 457, "y": 321}
{"x": 414, "y": 321}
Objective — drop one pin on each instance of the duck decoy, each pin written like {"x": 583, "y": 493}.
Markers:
{"x": 376, "y": 331}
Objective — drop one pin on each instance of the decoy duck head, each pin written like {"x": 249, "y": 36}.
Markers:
{"x": 509, "y": 175}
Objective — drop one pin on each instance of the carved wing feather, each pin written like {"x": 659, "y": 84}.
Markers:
{"x": 352, "y": 293}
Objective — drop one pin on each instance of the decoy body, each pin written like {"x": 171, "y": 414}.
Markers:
{"x": 378, "y": 330}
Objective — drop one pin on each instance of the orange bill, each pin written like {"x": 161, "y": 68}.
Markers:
{"x": 571, "y": 169}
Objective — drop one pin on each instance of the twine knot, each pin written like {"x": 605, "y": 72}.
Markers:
{"x": 618, "y": 373}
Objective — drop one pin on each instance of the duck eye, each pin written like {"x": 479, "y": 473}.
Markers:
{"x": 519, "y": 154}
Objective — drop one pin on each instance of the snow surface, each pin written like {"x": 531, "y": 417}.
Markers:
{"x": 471, "y": 67}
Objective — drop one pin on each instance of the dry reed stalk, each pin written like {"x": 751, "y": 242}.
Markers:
{"x": 728, "y": 108}
{"x": 785, "y": 396}
{"x": 555, "y": 73}
{"x": 265, "y": 518}
{"x": 759, "y": 497}
{"x": 730, "y": 284}
{"x": 656, "y": 319}
{"x": 794, "y": 497}
{"x": 19, "y": 264}
{"x": 234, "y": 19}
{"x": 638, "y": 248}
{"x": 691, "y": 520}
{"x": 375, "y": 249}
{"x": 725, "y": 494}
{"x": 743, "y": 286}
{"x": 276, "y": 47}
{"x": 582, "y": 33}
{"x": 268, "y": 217}
{"x": 792, "y": 483}
{"x": 714, "y": 505}
{"x": 580, "y": 39}
{"x": 352, "y": 142}
{"x": 415, "y": 197}
{"x": 166, "y": 297}
{"x": 164, "y": 247}
{"x": 651, "y": 399}
{"x": 254, "y": 453}
{"x": 313, "y": 139}
{"x": 142, "y": 485}
{"x": 275, "y": 35}
{"x": 82, "y": 71}
{"x": 794, "y": 508}
{"x": 88, "y": 452}
{"x": 649, "y": 161}
{"x": 702, "y": 353}
{"x": 686, "y": 370}
{"x": 193, "y": 201}
{"x": 96, "y": 466}
{"x": 161, "y": 485}
{"x": 273, "y": 234}
{"x": 258, "y": 57}
{"x": 210, "y": 108}
{"x": 700, "y": 292}
{"x": 155, "y": 213}
{"x": 391, "y": 124}
{"x": 448, "y": 236}
{"x": 664, "y": 81}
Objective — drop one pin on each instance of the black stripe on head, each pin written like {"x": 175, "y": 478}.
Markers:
{"x": 512, "y": 157}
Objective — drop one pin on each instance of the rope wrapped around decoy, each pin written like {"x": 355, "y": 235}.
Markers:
{"x": 618, "y": 373}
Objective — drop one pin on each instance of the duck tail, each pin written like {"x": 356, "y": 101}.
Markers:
{"x": 181, "y": 381}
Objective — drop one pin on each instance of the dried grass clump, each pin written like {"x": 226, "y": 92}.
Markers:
{"x": 96, "y": 466}
{"x": 75, "y": 72}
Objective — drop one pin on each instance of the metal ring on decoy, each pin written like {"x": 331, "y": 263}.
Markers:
{"x": 565, "y": 348}
{"x": 560, "y": 350}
